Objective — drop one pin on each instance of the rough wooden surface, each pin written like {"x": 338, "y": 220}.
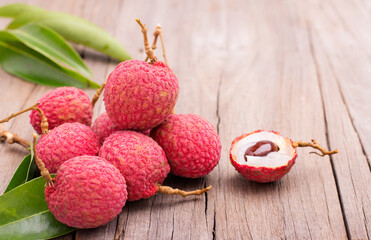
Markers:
{"x": 302, "y": 68}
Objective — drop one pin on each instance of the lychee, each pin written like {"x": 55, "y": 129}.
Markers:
{"x": 191, "y": 144}
{"x": 87, "y": 192}
{"x": 266, "y": 156}
{"x": 66, "y": 141}
{"x": 62, "y": 105}
{"x": 139, "y": 95}
{"x": 140, "y": 160}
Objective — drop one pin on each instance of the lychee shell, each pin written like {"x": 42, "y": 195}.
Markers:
{"x": 191, "y": 144}
{"x": 64, "y": 142}
{"x": 261, "y": 174}
{"x": 88, "y": 192}
{"x": 62, "y": 105}
{"x": 140, "y": 160}
{"x": 139, "y": 96}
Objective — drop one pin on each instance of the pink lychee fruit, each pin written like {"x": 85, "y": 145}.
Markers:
{"x": 191, "y": 144}
{"x": 64, "y": 142}
{"x": 103, "y": 127}
{"x": 139, "y": 95}
{"x": 262, "y": 156}
{"x": 64, "y": 104}
{"x": 140, "y": 160}
{"x": 88, "y": 192}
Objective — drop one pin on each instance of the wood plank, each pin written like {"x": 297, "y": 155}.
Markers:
{"x": 342, "y": 52}
{"x": 270, "y": 82}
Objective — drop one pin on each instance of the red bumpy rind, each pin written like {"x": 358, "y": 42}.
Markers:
{"x": 262, "y": 174}
{"x": 88, "y": 192}
{"x": 140, "y": 160}
{"x": 191, "y": 144}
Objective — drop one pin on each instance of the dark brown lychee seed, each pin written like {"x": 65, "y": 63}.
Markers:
{"x": 261, "y": 149}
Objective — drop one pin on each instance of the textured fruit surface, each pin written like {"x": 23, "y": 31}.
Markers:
{"x": 88, "y": 192}
{"x": 64, "y": 104}
{"x": 191, "y": 144}
{"x": 274, "y": 170}
{"x": 139, "y": 96}
{"x": 103, "y": 127}
{"x": 140, "y": 160}
{"x": 64, "y": 142}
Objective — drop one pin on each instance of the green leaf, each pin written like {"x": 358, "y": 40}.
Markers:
{"x": 25, "y": 215}
{"x": 52, "y": 45}
{"x": 73, "y": 29}
{"x": 15, "y": 9}
{"x": 20, "y": 60}
{"x": 26, "y": 171}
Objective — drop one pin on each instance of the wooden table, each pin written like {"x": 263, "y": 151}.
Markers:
{"x": 302, "y": 68}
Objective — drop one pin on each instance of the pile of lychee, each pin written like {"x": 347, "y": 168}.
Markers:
{"x": 129, "y": 150}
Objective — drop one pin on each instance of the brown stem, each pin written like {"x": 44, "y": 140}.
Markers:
{"x": 154, "y": 44}
{"x": 11, "y": 138}
{"x": 156, "y": 34}
{"x": 44, "y": 121}
{"x": 39, "y": 163}
{"x": 148, "y": 49}
{"x": 19, "y": 113}
{"x": 314, "y": 144}
{"x": 162, "y": 45}
{"x": 171, "y": 191}
{"x": 97, "y": 94}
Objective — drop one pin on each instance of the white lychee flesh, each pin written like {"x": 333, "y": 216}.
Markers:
{"x": 272, "y": 160}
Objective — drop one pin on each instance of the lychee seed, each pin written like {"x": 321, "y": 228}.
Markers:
{"x": 191, "y": 144}
{"x": 88, "y": 192}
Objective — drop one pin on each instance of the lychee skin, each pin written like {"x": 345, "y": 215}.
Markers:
{"x": 261, "y": 174}
{"x": 191, "y": 144}
{"x": 139, "y": 95}
{"x": 64, "y": 104}
{"x": 64, "y": 142}
{"x": 140, "y": 160}
{"x": 88, "y": 192}
{"x": 103, "y": 127}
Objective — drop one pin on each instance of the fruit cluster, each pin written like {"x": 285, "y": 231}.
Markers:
{"x": 129, "y": 150}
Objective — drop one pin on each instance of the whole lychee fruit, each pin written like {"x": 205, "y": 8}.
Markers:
{"x": 191, "y": 144}
{"x": 62, "y": 105}
{"x": 140, "y": 160}
{"x": 262, "y": 156}
{"x": 139, "y": 95}
{"x": 64, "y": 142}
{"x": 87, "y": 192}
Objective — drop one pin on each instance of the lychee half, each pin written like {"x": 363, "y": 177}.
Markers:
{"x": 64, "y": 104}
{"x": 263, "y": 156}
{"x": 140, "y": 160}
{"x": 191, "y": 144}
{"x": 139, "y": 95}
{"x": 87, "y": 192}
{"x": 64, "y": 142}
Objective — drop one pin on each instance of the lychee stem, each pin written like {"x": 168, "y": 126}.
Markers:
{"x": 39, "y": 163}
{"x": 172, "y": 191}
{"x": 12, "y": 138}
{"x": 148, "y": 49}
{"x": 314, "y": 144}
{"x": 97, "y": 94}
{"x": 19, "y": 113}
{"x": 158, "y": 32}
{"x": 44, "y": 121}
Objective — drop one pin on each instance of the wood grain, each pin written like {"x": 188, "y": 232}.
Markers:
{"x": 298, "y": 67}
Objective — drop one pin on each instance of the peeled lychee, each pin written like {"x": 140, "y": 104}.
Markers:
{"x": 87, "y": 192}
{"x": 262, "y": 156}
{"x": 64, "y": 142}
{"x": 139, "y": 95}
{"x": 62, "y": 105}
{"x": 140, "y": 160}
{"x": 191, "y": 144}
